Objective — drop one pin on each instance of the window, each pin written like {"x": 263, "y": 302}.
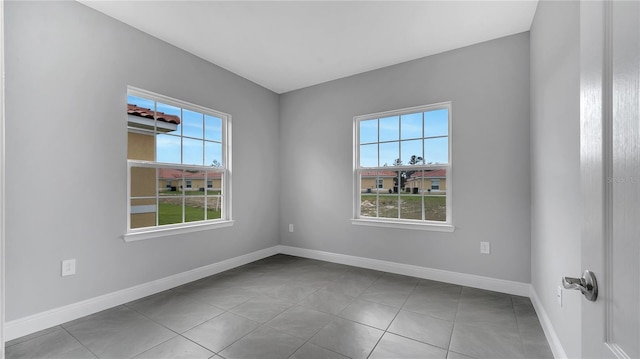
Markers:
{"x": 435, "y": 184}
{"x": 408, "y": 151}
{"x": 174, "y": 149}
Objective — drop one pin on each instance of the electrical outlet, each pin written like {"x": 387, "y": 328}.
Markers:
{"x": 559, "y": 295}
{"x": 291, "y": 228}
{"x": 485, "y": 247}
{"x": 68, "y": 267}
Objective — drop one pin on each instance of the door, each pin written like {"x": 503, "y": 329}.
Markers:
{"x": 610, "y": 166}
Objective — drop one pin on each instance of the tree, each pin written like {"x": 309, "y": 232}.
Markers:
{"x": 404, "y": 175}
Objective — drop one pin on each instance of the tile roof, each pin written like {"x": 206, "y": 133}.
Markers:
{"x": 379, "y": 173}
{"x": 439, "y": 173}
{"x": 148, "y": 113}
{"x": 170, "y": 173}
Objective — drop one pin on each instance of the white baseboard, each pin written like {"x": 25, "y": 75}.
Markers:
{"x": 468, "y": 280}
{"x": 549, "y": 332}
{"x": 33, "y": 323}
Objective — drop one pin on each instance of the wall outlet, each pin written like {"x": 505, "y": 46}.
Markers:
{"x": 291, "y": 228}
{"x": 559, "y": 295}
{"x": 68, "y": 267}
{"x": 485, "y": 247}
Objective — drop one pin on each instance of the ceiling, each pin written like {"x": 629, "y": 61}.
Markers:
{"x": 287, "y": 45}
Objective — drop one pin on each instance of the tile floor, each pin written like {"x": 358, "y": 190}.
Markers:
{"x": 297, "y": 308}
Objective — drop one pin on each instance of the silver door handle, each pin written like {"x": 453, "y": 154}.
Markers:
{"x": 587, "y": 285}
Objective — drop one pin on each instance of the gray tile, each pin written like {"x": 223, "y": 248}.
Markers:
{"x": 32, "y": 336}
{"x": 502, "y": 318}
{"x": 312, "y": 351}
{"x": 392, "y": 346}
{"x": 398, "y": 280}
{"x": 92, "y": 316}
{"x": 301, "y": 322}
{"x": 262, "y": 308}
{"x": 175, "y": 311}
{"x": 263, "y": 343}
{"x": 483, "y": 342}
{"x": 390, "y": 294}
{"x": 221, "y": 331}
{"x": 454, "y": 355}
{"x": 350, "y": 283}
{"x": 439, "y": 302}
{"x": 55, "y": 343}
{"x": 176, "y": 348}
{"x": 292, "y": 291}
{"x": 121, "y": 333}
{"x": 370, "y": 313}
{"x": 225, "y": 298}
{"x": 348, "y": 338}
{"x": 422, "y": 328}
{"x": 327, "y": 302}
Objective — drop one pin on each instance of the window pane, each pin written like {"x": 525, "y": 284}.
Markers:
{"x": 214, "y": 207}
{"x": 369, "y": 155}
{"x": 436, "y": 150}
{"x": 167, "y": 114}
{"x": 368, "y": 195}
{"x": 436, "y": 123}
{"x": 212, "y": 128}
{"x": 169, "y": 210}
{"x": 389, "y": 153}
{"x": 369, "y": 131}
{"x": 143, "y": 213}
{"x": 143, "y": 182}
{"x": 141, "y": 102}
{"x": 170, "y": 182}
{"x": 168, "y": 149}
{"x": 192, "y": 124}
{"x": 411, "y": 126}
{"x": 194, "y": 208}
{"x": 412, "y": 152}
{"x": 213, "y": 154}
{"x": 192, "y": 151}
{"x": 390, "y": 128}
{"x": 411, "y": 204}
{"x": 388, "y": 205}
{"x": 435, "y": 207}
{"x": 215, "y": 179}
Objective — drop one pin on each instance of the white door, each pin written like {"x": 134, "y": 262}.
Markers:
{"x": 610, "y": 164}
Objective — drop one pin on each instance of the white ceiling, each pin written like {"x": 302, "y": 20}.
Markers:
{"x": 287, "y": 45}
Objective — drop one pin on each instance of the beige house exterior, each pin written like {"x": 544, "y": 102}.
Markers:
{"x": 433, "y": 181}
{"x": 377, "y": 181}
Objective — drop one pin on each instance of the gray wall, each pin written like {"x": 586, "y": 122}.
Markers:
{"x": 555, "y": 163}
{"x": 67, "y": 71}
{"x": 489, "y": 86}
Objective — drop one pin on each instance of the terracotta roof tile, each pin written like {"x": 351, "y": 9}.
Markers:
{"x": 439, "y": 173}
{"x": 379, "y": 174}
{"x": 169, "y": 173}
{"x": 148, "y": 113}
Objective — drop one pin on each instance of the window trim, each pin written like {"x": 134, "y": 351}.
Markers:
{"x": 135, "y": 234}
{"x": 442, "y": 226}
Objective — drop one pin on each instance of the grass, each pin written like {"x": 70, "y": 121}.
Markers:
{"x": 435, "y": 207}
{"x": 190, "y": 193}
{"x": 172, "y": 213}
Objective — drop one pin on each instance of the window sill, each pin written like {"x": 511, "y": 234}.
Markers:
{"x": 138, "y": 235}
{"x": 421, "y": 226}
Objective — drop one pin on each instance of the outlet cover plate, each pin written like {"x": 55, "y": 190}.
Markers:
{"x": 68, "y": 267}
{"x": 485, "y": 247}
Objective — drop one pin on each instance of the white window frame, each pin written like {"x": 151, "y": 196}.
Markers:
{"x": 436, "y": 182}
{"x": 442, "y": 226}
{"x": 226, "y": 220}
{"x": 379, "y": 182}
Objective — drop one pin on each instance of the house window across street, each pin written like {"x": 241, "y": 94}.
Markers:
{"x": 407, "y": 151}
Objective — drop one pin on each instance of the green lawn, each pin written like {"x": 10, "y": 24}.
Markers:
{"x": 189, "y": 193}
{"x": 172, "y": 213}
{"x": 435, "y": 207}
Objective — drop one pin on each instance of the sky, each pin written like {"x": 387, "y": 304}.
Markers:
{"x": 384, "y": 140}
{"x": 201, "y": 142}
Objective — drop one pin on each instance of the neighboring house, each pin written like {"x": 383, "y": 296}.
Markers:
{"x": 381, "y": 181}
{"x": 434, "y": 181}
{"x": 173, "y": 180}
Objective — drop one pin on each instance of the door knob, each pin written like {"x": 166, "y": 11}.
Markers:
{"x": 587, "y": 285}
